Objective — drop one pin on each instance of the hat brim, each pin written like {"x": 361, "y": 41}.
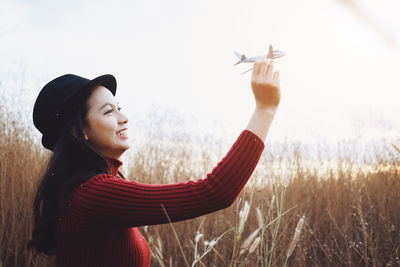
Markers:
{"x": 71, "y": 103}
{"x": 107, "y": 80}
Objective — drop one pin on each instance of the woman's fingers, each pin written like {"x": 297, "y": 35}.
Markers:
{"x": 263, "y": 67}
{"x": 275, "y": 79}
{"x": 263, "y": 72}
{"x": 256, "y": 69}
{"x": 270, "y": 71}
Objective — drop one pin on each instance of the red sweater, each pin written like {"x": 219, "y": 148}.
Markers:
{"x": 99, "y": 226}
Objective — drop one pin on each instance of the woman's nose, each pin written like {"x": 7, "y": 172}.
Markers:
{"x": 123, "y": 119}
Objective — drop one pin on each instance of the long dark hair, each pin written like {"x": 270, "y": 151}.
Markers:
{"x": 73, "y": 161}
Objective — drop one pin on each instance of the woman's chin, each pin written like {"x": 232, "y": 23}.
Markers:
{"x": 125, "y": 147}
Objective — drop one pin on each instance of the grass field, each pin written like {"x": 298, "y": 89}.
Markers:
{"x": 294, "y": 212}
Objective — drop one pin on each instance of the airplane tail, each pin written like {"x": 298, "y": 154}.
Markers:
{"x": 270, "y": 51}
{"x": 240, "y": 57}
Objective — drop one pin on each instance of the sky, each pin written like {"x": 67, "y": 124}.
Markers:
{"x": 339, "y": 78}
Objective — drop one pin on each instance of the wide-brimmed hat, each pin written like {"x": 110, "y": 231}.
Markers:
{"x": 58, "y": 100}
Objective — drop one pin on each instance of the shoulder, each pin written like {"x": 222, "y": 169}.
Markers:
{"x": 96, "y": 179}
{"x": 96, "y": 183}
{"x": 79, "y": 181}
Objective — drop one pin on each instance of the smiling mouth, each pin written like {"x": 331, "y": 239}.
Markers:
{"x": 122, "y": 132}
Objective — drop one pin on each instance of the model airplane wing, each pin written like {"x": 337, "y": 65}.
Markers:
{"x": 272, "y": 54}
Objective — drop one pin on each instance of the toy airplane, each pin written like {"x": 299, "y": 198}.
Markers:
{"x": 272, "y": 54}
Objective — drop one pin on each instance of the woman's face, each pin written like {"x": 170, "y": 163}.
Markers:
{"x": 106, "y": 126}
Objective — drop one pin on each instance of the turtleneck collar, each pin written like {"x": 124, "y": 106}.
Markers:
{"x": 114, "y": 165}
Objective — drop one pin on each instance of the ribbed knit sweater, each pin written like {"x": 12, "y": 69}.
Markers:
{"x": 99, "y": 226}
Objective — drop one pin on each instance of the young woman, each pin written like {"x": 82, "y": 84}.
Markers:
{"x": 85, "y": 211}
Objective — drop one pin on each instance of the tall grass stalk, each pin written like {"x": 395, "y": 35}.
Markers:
{"x": 208, "y": 247}
{"x": 279, "y": 209}
{"x": 264, "y": 250}
{"x": 175, "y": 234}
{"x": 295, "y": 240}
{"x": 242, "y": 218}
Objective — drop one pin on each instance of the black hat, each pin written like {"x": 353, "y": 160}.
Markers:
{"x": 58, "y": 100}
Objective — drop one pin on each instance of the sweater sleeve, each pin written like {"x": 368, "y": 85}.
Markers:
{"x": 106, "y": 200}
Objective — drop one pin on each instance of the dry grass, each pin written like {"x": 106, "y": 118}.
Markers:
{"x": 21, "y": 162}
{"x": 351, "y": 214}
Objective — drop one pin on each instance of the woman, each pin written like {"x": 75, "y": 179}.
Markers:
{"x": 85, "y": 211}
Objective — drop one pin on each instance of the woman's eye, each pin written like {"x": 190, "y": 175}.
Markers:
{"x": 108, "y": 111}
{"x": 119, "y": 108}
{"x": 112, "y": 110}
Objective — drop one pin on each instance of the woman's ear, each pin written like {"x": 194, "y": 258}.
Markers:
{"x": 76, "y": 135}
{"x": 84, "y": 134}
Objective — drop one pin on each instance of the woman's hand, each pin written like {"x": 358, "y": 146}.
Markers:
{"x": 266, "y": 90}
{"x": 265, "y": 85}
